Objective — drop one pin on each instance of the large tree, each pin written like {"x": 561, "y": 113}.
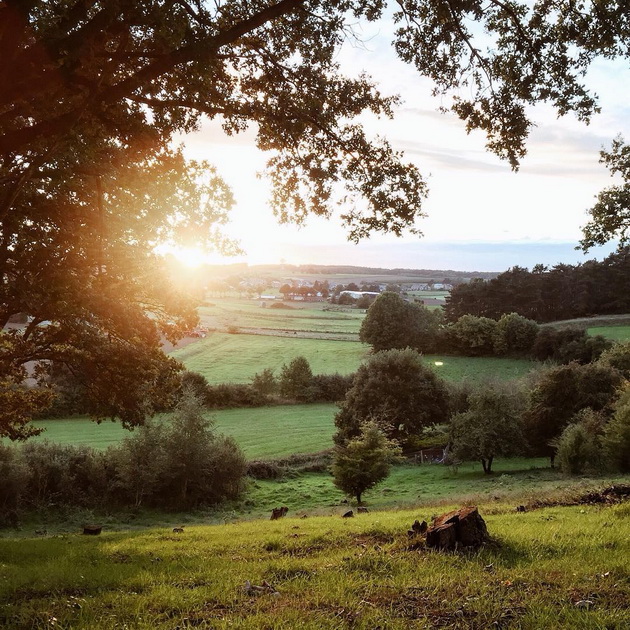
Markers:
{"x": 391, "y": 322}
{"x": 92, "y": 91}
{"x": 395, "y": 389}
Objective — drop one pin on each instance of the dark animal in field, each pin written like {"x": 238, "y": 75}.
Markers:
{"x": 348, "y": 514}
{"x": 277, "y": 513}
{"x": 178, "y": 530}
{"x": 362, "y": 510}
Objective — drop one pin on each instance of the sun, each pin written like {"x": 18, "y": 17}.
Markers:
{"x": 192, "y": 257}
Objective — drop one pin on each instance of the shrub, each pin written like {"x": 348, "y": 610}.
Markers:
{"x": 200, "y": 468}
{"x": 13, "y": 482}
{"x": 227, "y": 395}
{"x": 472, "y": 336}
{"x": 330, "y": 387}
{"x": 265, "y": 383}
{"x": 64, "y": 475}
{"x": 515, "y": 335}
{"x": 264, "y": 470}
{"x": 579, "y": 448}
{"x": 616, "y": 439}
{"x": 138, "y": 462}
{"x": 618, "y": 357}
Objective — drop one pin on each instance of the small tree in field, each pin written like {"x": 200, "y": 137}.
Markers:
{"x": 364, "y": 462}
{"x": 265, "y": 382}
{"x": 296, "y": 379}
{"x": 491, "y": 427}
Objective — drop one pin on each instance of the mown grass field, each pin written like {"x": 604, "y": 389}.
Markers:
{"x": 616, "y": 333}
{"x": 558, "y": 567}
{"x": 262, "y": 432}
{"x": 296, "y": 316}
{"x": 226, "y": 358}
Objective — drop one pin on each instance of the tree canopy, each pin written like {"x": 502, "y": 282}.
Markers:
{"x": 397, "y": 391}
{"x": 92, "y": 94}
{"x": 391, "y": 322}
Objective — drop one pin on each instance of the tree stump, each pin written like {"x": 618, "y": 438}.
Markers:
{"x": 92, "y": 530}
{"x": 464, "y": 527}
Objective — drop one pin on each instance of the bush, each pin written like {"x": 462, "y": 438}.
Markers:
{"x": 562, "y": 391}
{"x": 616, "y": 439}
{"x": 579, "y": 447}
{"x": 515, "y": 335}
{"x": 568, "y": 344}
{"x": 618, "y": 357}
{"x": 265, "y": 383}
{"x": 13, "y": 482}
{"x": 64, "y": 475}
{"x": 330, "y": 387}
{"x": 200, "y": 468}
{"x": 472, "y": 336}
{"x": 138, "y": 462}
{"x": 265, "y": 470}
{"x": 226, "y": 395}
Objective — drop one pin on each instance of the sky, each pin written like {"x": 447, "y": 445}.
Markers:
{"x": 481, "y": 215}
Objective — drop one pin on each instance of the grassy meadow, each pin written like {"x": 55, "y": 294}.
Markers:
{"x": 558, "y": 567}
{"x": 234, "y": 358}
{"x": 228, "y": 358}
{"x": 262, "y": 432}
{"x": 296, "y": 316}
{"x": 616, "y": 333}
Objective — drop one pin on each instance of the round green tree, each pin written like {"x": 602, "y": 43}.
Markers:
{"x": 397, "y": 391}
{"x": 391, "y": 322}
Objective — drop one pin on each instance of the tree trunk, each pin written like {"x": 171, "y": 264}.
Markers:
{"x": 489, "y": 469}
{"x": 483, "y": 463}
{"x": 358, "y": 498}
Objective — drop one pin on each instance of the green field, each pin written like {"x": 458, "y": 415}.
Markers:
{"x": 225, "y": 358}
{"x": 616, "y": 333}
{"x": 298, "y": 316}
{"x": 515, "y": 479}
{"x": 558, "y": 567}
{"x": 262, "y": 432}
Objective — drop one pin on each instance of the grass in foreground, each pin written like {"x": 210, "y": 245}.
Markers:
{"x": 562, "y": 567}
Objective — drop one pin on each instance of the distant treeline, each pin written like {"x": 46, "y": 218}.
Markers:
{"x": 282, "y": 270}
{"x": 548, "y": 294}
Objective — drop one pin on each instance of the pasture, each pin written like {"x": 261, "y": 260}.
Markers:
{"x": 262, "y": 432}
{"x": 557, "y": 567}
{"x": 226, "y": 358}
{"x": 616, "y": 333}
{"x": 295, "y": 316}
